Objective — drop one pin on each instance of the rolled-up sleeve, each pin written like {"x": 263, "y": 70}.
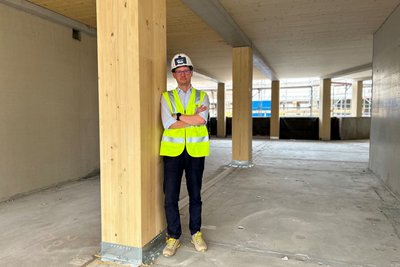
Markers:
{"x": 166, "y": 116}
{"x": 206, "y": 103}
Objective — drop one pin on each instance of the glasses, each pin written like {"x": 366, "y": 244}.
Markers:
{"x": 179, "y": 72}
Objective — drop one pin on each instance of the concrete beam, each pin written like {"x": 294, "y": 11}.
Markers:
{"x": 199, "y": 73}
{"x": 366, "y": 78}
{"x": 206, "y": 76}
{"x": 263, "y": 66}
{"x": 215, "y": 15}
{"x": 49, "y": 15}
{"x": 348, "y": 71}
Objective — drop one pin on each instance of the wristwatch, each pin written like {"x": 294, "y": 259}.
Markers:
{"x": 177, "y": 116}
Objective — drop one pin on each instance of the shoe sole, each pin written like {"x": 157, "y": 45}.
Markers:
{"x": 202, "y": 250}
{"x": 166, "y": 255}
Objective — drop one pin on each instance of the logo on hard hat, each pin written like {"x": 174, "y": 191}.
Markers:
{"x": 180, "y": 61}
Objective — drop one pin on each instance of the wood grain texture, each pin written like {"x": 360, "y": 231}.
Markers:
{"x": 275, "y": 119}
{"x": 241, "y": 114}
{"x": 81, "y": 10}
{"x": 325, "y": 110}
{"x": 356, "y": 100}
{"x": 297, "y": 38}
{"x": 132, "y": 76}
{"x": 221, "y": 118}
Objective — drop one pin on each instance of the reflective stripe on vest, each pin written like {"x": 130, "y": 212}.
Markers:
{"x": 180, "y": 140}
{"x": 195, "y": 138}
{"x": 177, "y": 140}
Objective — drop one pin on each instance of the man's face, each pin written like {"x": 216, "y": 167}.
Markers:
{"x": 183, "y": 75}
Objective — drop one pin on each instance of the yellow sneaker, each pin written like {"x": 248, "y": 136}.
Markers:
{"x": 198, "y": 242}
{"x": 171, "y": 247}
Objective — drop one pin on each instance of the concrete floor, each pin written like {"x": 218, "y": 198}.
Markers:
{"x": 304, "y": 203}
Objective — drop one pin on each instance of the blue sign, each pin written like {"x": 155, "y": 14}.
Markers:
{"x": 261, "y": 108}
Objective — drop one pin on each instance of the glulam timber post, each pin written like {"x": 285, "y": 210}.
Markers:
{"x": 356, "y": 100}
{"x": 132, "y": 76}
{"x": 242, "y": 124}
{"x": 275, "y": 119}
{"x": 325, "y": 110}
{"x": 221, "y": 118}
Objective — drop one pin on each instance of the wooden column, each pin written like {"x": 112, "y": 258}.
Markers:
{"x": 132, "y": 76}
{"x": 221, "y": 118}
{"x": 356, "y": 100}
{"x": 274, "y": 122}
{"x": 325, "y": 110}
{"x": 241, "y": 118}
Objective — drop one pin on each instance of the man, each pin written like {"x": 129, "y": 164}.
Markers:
{"x": 184, "y": 145}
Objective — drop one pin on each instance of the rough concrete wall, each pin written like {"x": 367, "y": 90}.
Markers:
{"x": 48, "y": 104}
{"x": 385, "y": 123}
{"x": 354, "y": 128}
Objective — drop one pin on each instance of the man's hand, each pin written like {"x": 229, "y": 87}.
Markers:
{"x": 189, "y": 120}
{"x": 200, "y": 109}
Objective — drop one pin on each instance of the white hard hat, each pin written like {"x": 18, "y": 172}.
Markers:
{"x": 181, "y": 60}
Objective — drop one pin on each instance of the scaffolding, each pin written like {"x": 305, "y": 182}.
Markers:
{"x": 297, "y": 99}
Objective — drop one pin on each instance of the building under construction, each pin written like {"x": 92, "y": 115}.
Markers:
{"x": 304, "y": 166}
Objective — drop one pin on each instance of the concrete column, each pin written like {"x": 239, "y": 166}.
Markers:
{"x": 221, "y": 118}
{"x": 325, "y": 110}
{"x": 132, "y": 76}
{"x": 274, "y": 122}
{"x": 242, "y": 124}
{"x": 356, "y": 100}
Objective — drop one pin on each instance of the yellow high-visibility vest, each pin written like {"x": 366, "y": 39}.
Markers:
{"x": 195, "y": 138}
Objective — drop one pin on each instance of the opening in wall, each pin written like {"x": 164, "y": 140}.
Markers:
{"x": 76, "y": 34}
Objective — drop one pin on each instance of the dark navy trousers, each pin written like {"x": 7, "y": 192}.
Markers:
{"x": 173, "y": 171}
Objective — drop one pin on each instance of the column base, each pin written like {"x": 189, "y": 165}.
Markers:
{"x": 274, "y": 137}
{"x": 241, "y": 164}
{"x": 133, "y": 256}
